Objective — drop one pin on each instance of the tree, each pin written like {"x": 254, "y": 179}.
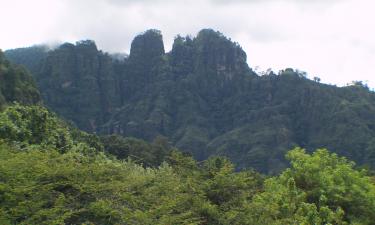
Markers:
{"x": 319, "y": 188}
{"x": 316, "y": 79}
{"x": 26, "y": 126}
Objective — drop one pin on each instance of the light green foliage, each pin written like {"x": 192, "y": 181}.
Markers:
{"x": 331, "y": 181}
{"x": 34, "y": 125}
{"x": 49, "y": 188}
{"x": 321, "y": 188}
{"x": 230, "y": 192}
{"x": 44, "y": 180}
{"x": 221, "y": 195}
{"x": 28, "y": 126}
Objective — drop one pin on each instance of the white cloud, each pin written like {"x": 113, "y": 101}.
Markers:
{"x": 333, "y": 39}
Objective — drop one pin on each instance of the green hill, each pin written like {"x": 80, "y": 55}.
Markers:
{"x": 53, "y": 173}
{"x": 206, "y": 100}
{"x": 16, "y": 84}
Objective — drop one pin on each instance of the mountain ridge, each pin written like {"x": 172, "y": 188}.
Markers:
{"x": 205, "y": 98}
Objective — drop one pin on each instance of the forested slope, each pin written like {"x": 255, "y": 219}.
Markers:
{"x": 16, "y": 84}
{"x": 53, "y": 173}
{"x": 206, "y": 100}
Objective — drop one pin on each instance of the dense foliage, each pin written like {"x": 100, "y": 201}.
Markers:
{"x": 30, "y": 57}
{"x": 140, "y": 151}
{"x": 205, "y": 99}
{"x": 321, "y": 188}
{"x": 45, "y": 182}
{"x": 16, "y": 84}
{"x": 29, "y": 126}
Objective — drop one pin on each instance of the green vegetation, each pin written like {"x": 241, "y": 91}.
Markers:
{"x": 16, "y": 84}
{"x": 32, "y": 57}
{"x": 321, "y": 188}
{"x": 205, "y": 99}
{"x": 33, "y": 126}
{"x": 51, "y": 173}
{"x": 149, "y": 154}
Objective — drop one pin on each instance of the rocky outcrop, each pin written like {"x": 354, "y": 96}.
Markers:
{"x": 203, "y": 96}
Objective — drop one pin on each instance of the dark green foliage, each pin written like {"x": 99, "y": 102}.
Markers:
{"x": 30, "y": 57}
{"x": 147, "y": 46}
{"x": 16, "y": 84}
{"x": 79, "y": 84}
{"x": 205, "y": 99}
{"x": 148, "y": 154}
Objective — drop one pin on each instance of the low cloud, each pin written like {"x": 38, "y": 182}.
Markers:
{"x": 333, "y": 39}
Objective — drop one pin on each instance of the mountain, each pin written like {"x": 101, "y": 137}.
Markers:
{"x": 205, "y": 99}
{"x": 16, "y": 84}
{"x": 72, "y": 177}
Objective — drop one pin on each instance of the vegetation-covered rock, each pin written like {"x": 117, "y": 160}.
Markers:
{"x": 54, "y": 173}
{"x": 205, "y": 99}
{"x": 31, "y": 57}
{"x": 16, "y": 84}
{"x": 79, "y": 84}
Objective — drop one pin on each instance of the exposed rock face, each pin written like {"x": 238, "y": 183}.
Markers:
{"x": 147, "y": 47}
{"x": 78, "y": 82}
{"x": 203, "y": 96}
{"x": 141, "y": 68}
{"x": 215, "y": 53}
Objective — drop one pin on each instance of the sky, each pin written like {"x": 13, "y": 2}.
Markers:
{"x": 330, "y": 39}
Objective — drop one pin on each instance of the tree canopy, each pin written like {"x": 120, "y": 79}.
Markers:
{"x": 16, "y": 84}
{"x": 51, "y": 173}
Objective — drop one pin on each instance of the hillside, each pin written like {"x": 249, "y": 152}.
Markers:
{"x": 53, "y": 173}
{"x": 204, "y": 97}
{"x": 16, "y": 84}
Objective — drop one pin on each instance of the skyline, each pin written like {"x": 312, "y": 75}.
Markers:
{"x": 332, "y": 39}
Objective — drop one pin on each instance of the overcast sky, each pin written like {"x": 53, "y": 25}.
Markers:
{"x": 331, "y": 39}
